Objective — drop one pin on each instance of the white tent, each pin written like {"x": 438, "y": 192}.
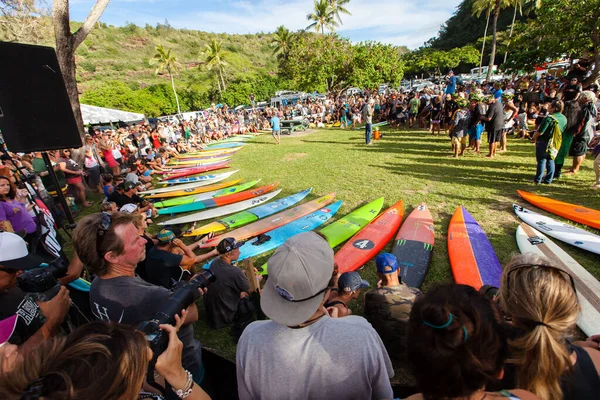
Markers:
{"x": 100, "y": 115}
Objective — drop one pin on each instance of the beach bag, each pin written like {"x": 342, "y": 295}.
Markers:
{"x": 556, "y": 141}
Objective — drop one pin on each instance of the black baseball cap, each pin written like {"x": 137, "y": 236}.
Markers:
{"x": 228, "y": 244}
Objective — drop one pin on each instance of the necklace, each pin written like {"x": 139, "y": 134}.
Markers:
{"x": 310, "y": 321}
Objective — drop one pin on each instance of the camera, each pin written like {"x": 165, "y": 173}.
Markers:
{"x": 43, "y": 281}
{"x": 184, "y": 294}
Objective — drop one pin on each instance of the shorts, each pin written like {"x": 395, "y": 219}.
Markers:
{"x": 343, "y": 120}
{"x": 494, "y": 137}
{"x": 459, "y": 140}
{"x": 435, "y": 121}
{"x": 475, "y": 132}
{"x": 579, "y": 146}
{"x": 276, "y": 132}
{"x": 74, "y": 180}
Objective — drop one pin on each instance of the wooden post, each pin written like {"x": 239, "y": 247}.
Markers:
{"x": 251, "y": 275}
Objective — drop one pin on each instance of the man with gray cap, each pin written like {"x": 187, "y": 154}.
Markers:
{"x": 302, "y": 352}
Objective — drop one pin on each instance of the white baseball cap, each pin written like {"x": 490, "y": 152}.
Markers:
{"x": 299, "y": 275}
{"x": 14, "y": 254}
{"x": 129, "y": 208}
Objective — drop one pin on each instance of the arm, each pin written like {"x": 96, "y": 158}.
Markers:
{"x": 5, "y": 224}
{"x": 74, "y": 270}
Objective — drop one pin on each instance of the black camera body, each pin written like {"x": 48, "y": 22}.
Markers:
{"x": 185, "y": 293}
{"x": 43, "y": 281}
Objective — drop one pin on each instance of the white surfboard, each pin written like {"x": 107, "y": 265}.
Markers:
{"x": 223, "y": 210}
{"x": 209, "y": 181}
{"x": 530, "y": 240}
{"x": 564, "y": 232}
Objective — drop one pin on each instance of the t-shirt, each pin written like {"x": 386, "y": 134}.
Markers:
{"x": 132, "y": 177}
{"x": 39, "y": 166}
{"x": 388, "y": 309}
{"x": 547, "y": 126}
{"x": 461, "y": 123}
{"x": 413, "y": 105}
{"x": 275, "y": 123}
{"x": 451, "y": 88}
{"x": 122, "y": 199}
{"x": 496, "y": 114}
{"x": 131, "y": 300}
{"x": 571, "y": 92}
{"x": 71, "y": 165}
{"x": 222, "y": 301}
{"x": 341, "y": 358}
{"x": 163, "y": 268}
{"x": 16, "y": 213}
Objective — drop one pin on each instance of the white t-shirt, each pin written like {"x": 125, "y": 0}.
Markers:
{"x": 341, "y": 358}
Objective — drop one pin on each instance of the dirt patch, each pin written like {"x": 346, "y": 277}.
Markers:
{"x": 293, "y": 156}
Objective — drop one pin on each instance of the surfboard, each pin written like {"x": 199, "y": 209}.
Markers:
{"x": 344, "y": 228}
{"x": 220, "y": 211}
{"x": 204, "y": 196}
{"x": 198, "y": 162}
{"x": 227, "y": 145}
{"x": 168, "y": 178}
{"x": 251, "y": 215}
{"x": 193, "y": 191}
{"x": 370, "y": 240}
{"x": 272, "y": 222}
{"x": 472, "y": 257}
{"x": 208, "y": 181}
{"x": 413, "y": 246}
{"x": 564, "y": 232}
{"x": 573, "y": 212}
{"x": 208, "y": 152}
{"x": 190, "y": 179}
{"x": 530, "y": 240}
{"x": 218, "y": 201}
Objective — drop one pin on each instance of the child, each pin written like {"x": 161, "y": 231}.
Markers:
{"x": 460, "y": 123}
{"x": 108, "y": 184}
{"x": 435, "y": 115}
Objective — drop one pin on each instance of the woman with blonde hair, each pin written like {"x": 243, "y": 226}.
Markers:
{"x": 541, "y": 301}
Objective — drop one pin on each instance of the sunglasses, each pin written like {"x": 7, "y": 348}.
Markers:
{"x": 547, "y": 267}
{"x": 103, "y": 227}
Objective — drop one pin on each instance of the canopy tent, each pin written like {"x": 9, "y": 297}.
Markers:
{"x": 99, "y": 115}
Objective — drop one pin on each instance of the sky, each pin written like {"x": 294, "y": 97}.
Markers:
{"x": 398, "y": 22}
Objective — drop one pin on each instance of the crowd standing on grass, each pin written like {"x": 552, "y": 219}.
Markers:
{"x": 456, "y": 342}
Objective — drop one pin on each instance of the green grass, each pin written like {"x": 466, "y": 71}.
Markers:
{"x": 415, "y": 167}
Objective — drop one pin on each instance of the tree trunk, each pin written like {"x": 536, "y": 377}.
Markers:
{"x": 512, "y": 27}
{"x": 595, "y": 37}
{"x": 222, "y": 79}
{"x": 218, "y": 83}
{"x": 66, "y": 44}
{"x": 175, "y": 92}
{"x": 484, "y": 37}
{"x": 494, "y": 41}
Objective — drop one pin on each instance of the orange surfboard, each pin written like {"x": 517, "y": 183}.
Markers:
{"x": 583, "y": 215}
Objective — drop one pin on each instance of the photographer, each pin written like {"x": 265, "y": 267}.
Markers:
{"x": 99, "y": 361}
{"x": 109, "y": 245}
{"x": 14, "y": 259}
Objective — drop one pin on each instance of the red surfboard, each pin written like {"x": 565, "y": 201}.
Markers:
{"x": 196, "y": 170}
{"x": 370, "y": 240}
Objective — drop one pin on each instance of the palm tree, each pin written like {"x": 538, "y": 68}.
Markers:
{"x": 493, "y": 7}
{"x": 477, "y": 11}
{"x": 322, "y": 17}
{"x": 167, "y": 62}
{"x": 519, "y": 6}
{"x": 215, "y": 61}
{"x": 281, "y": 42}
{"x": 337, "y": 7}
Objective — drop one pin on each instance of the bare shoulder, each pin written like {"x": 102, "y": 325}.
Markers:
{"x": 595, "y": 356}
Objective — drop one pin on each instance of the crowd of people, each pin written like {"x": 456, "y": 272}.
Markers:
{"x": 457, "y": 342}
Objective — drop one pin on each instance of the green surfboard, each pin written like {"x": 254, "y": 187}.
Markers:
{"x": 344, "y": 228}
{"x": 203, "y": 196}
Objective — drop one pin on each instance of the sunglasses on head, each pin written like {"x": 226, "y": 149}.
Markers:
{"x": 103, "y": 227}
{"x": 547, "y": 267}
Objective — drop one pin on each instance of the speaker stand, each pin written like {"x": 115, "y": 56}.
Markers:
{"x": 59, "y": 193}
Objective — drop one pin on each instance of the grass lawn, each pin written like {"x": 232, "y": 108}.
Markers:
{"x": 415, "y": 167}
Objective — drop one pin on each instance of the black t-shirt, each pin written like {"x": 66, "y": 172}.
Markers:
{"x": 141, "y": 267}
{"x": 223, "y": 296}
{"x": 496, "y": 114}
{"x": 9, "y": 302}
{"x": 122, "y": 199}
{"x": 163, "y": 268}
{"x": 571, "y": 92}
{"x": 130, "y": 300}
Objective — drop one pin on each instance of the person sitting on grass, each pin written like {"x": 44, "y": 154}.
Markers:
{"x": 348, "y": 289}
{"x": 458, "y": 346}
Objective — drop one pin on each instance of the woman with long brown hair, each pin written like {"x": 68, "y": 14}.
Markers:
{"x": 14, "y": 214}
{"x": 541, "y": 301}
{"x": 99, "y": 361}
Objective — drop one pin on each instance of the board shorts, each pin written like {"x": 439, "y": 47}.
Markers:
{"x": 475, "y": 132}
{"x": 579, "y": 146}
{"x": 343, "y": 120}
{"x": 435, "y": 121}
{"x": 494, "y": 137}
{"x": 276, "y": 131}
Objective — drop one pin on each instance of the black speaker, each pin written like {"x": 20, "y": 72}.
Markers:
{"x": 35, "y": 112}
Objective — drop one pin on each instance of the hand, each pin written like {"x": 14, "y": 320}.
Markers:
{"x": 168, "y": 364}
{"x": 259, "y": 277}
{"x": 55, "y": 310}
{"x": 178, "y": 242}
{"x": 332, "y": 312}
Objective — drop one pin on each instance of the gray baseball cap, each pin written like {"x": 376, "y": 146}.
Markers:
{"x": 299, "y": 275}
